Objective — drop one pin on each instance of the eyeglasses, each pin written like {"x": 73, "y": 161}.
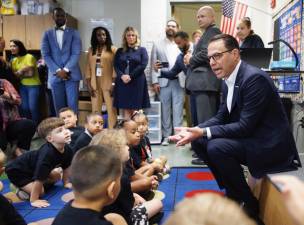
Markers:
{"x": 218, "y": 56}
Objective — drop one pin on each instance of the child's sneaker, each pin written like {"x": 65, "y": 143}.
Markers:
{"x": 22, "y": 195}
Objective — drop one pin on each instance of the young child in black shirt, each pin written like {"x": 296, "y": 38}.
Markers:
{"x": 131, "y": 206}
{"x": 142, "y": 178}
{"x": 70, "y": 120}
{"x": 95, "y": 175}
{"x": 34, "y": 170}
{"x": 94, "y": 124}
{"x": 144, "y": 150}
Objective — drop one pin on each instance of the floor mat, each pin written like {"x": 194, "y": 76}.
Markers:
{"x": 180, "y": 183}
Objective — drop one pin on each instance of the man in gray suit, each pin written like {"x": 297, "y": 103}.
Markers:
{"x": 201, "y": 83}
{"x": 171, "y": 92}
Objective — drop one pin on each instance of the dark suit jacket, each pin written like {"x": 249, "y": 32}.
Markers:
{"x": 178, "y": 67}
{"x": 258, "y": 120}
{"x": 203, "y": 79}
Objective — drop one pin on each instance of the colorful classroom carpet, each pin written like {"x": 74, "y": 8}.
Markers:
{"x": 180, "y": 183}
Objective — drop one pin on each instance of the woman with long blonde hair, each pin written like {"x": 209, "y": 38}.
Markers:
{"x": 131, "y": 92}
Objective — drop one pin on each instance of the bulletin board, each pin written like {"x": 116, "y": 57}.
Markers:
{"x": 290, "y": 30}
{"x": 290, "y": 23}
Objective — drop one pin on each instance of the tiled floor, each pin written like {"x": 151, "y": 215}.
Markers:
{"x": 177, "y": 156}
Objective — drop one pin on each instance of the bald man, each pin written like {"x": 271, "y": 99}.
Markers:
{"x": 201, "y": 83}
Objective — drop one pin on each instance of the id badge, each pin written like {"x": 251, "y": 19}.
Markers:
{"x": 98, "y": 72}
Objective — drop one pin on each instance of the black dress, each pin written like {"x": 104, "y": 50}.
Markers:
{"x": 252, "y": 41}
{"x": 133, "y": 95}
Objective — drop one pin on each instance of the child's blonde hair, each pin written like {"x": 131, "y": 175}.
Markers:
{"x": 113, "y": 138}
{"x": 208, "y": 209}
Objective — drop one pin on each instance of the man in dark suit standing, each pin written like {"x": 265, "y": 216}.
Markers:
{"x": 201, "y": 83}
{"x": 250, "y": 127}
{"x": 60, "y": 48}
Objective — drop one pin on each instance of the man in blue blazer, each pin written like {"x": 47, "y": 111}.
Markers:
{"x": 60, "y": 48}
{"x": 250, "y": 127}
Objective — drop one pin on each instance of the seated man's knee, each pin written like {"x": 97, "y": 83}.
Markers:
{"x": 214, "y": 148}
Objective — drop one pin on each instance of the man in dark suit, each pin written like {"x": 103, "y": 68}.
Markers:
{"x": 201, "y": 83}
{"x": 250, "y": 127}
{"x": 60, "y": 48}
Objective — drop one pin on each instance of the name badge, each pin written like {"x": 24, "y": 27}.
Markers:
{"x": 98, "y": 72}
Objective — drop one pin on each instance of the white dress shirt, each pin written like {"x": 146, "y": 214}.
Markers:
{"x": 230, "y": 82}
{"x": 59, "y": 36}
{"x": 172, "y": 51}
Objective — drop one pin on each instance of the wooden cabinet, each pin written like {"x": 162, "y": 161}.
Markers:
{"x": 29, "y": 29}
{"x": 13, "y": 28}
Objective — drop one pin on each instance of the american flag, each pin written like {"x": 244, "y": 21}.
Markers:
{"x": 233, "y": 11}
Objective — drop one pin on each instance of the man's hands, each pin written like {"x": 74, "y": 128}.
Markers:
{"x": 187, "y": 58}
{"x": 126, "y": 78}
{"x": 156, "y": 88}
{"x": 39, "y": 203}
{"x": 186, "y": 134}
{"x": 64, "y": 75}
{"x": 157, "y": 66}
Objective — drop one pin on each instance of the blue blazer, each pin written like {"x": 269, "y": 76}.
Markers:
{"x": 178, "y": 67}
{"x": 258, "y": 120}
{"x": 67, "y": 57}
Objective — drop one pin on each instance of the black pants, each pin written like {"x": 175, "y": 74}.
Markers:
{"x": 224, "y": 158}
{"x": 20, "y": 131}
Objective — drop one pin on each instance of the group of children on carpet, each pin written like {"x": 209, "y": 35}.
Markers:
{"x": 111, "y": 171}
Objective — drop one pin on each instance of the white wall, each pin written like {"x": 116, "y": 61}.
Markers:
{"x": 260, "y": 14}
{"x": 154, "y": 14}
{"x": 122, "y": 12}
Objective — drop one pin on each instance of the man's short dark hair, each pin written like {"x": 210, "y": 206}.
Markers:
{"x": 64, "y": 109}
{"x": 182, "y": 35}
{"x": 229, "y": 41}
{"x": 58, "y": 9}
{"x": 93, "y": 166}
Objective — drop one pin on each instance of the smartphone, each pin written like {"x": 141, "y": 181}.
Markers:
{"x": 277, "y": 186}
{"x": 165, "y": 64}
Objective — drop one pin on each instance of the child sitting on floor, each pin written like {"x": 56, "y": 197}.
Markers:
{"x": 144, "y": 150}
{"x": 208, "y": 208}
{"x": 34, "y": 171}
{"x": 95, "y": 175}
{"x": 2, "y": 163}
{"x": 70, "y": 120}
{"x": 131, "y": 206}
{"x": 94, "y": 124}
{"x": 142, "y": 178}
